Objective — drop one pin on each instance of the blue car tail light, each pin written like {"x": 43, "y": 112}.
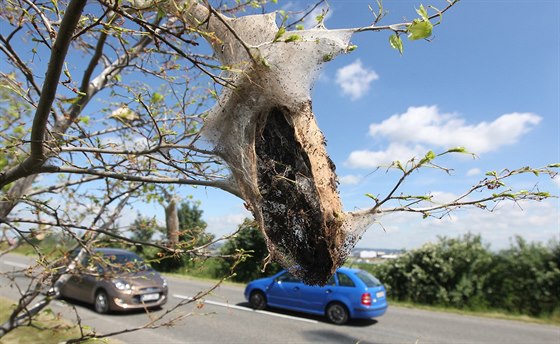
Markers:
{"x": 366, "y": 299}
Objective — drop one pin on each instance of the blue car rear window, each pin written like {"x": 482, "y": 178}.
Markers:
{"x": 368, "y": 279}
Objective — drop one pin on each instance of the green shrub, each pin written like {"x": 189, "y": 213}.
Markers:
{"x": 464, "y": 273}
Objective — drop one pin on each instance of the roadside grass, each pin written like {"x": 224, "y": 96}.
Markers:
{"x": 554, "y": 319}
{"x": 48, "y": 328}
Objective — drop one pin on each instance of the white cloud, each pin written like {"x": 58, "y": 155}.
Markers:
{"x": 422, "y": 128}
{"x": 349, "y": 180}
{"x": 426, "y": 125}
{"x": 374, "y": 159}
{"x": 556, "y": 179}
{"x": 473, "y": 172}
{"x": 442, "y": 197}
{"x": 534, "y": 221}
{"x": 355, "y": 80}
{"x": 226, "y": 224}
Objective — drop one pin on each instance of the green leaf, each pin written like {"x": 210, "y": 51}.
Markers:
{"x": 85, "y": 119}
{"x": 328, "y": 57}
{"x": 457, "y": 150}
{"x": 543, "y": 194}
{"x": 422, "y": 12}
{"x": 281, "y": 31}
{"x": 419, "y": 29}
{"x": 371, "y": 196}
{"x": 161, "y": 13}
{"x": 557, "y": 165}
{"x": 300, "y": 27}
{"x": 157, "y": 97}
{"x": 351, "y": 47}
{"x": 427, "y": 158}
{"x": 430, "y": 155}
{"x": 3, "y": 162}
{"x": 396, "y": 43}
{"x": 292, "y": 38}
{"x": 19, "y": 130}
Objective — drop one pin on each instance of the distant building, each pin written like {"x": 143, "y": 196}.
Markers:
{"x": 368, "y": 254}
{"x": 389, "y": 256}
{"x": 371, "y": 255}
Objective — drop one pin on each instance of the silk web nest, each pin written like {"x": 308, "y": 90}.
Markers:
{"x": 265, "y": 130}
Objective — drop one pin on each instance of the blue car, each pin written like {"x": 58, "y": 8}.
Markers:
{"x": 349, "y": 294}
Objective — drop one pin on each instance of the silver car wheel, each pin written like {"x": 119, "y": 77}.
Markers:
{"x": 101, "y": 304}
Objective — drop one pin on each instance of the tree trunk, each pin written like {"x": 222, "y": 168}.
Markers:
{"x": 172, "y": 223}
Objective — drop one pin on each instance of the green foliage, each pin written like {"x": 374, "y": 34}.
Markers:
{"x": 192, "y": 233}
{"x": 463, "y": 273}
{"x": 526, "y": 278}
{"x": 248, "y": 252}
{"x": 143, "y": 228}
{"x": 396, "y": 43}
{"x": 15, "y": 114}
{"x": 193, "y": 228}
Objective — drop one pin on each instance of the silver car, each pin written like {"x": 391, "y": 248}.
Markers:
{"x": 115, "y": 280}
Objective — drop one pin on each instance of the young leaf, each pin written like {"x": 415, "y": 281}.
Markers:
{"x": 457, "y": 150}
{"x": 157, "y": 97}
{"x": 422, "y": 12}
{"x": 292, "y": 38}
{"x": 419, "y": 30}
{"x": 430, "y": 155}
{"x": 281, "y": 31}
{"x": 396, "y": 43}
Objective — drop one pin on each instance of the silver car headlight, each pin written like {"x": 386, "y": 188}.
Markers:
{"x": 164, "y": 282}
{"x": 122, "y": 285}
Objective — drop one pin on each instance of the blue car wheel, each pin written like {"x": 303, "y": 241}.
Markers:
{"x": 337, "y": 313}
{"x": 257, "y": 300}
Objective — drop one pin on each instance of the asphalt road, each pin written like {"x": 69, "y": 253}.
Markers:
{"x": 225, "y": 317}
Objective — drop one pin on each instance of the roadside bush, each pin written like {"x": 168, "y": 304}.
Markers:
{"x": 464, "y": 273}
{"x": 247, "y": 251}
{"x": 525, "y": 278}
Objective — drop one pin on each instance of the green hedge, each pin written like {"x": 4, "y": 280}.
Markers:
{"x": 463, "y": 273}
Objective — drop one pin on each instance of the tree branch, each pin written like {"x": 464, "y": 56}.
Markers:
{"x": 60, "y": 48}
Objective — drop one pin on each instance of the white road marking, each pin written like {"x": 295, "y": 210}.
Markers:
{"x": 19, "y": 265}
{"x": 227, "y": 305}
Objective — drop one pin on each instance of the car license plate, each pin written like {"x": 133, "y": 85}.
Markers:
{"x": 150, "y": 297}
{"x": 380, "y": 294}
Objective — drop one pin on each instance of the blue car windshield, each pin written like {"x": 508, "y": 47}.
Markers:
{"x": 368, "y": 279}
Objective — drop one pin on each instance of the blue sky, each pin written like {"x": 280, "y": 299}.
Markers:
{"x": 488, "y": 80}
